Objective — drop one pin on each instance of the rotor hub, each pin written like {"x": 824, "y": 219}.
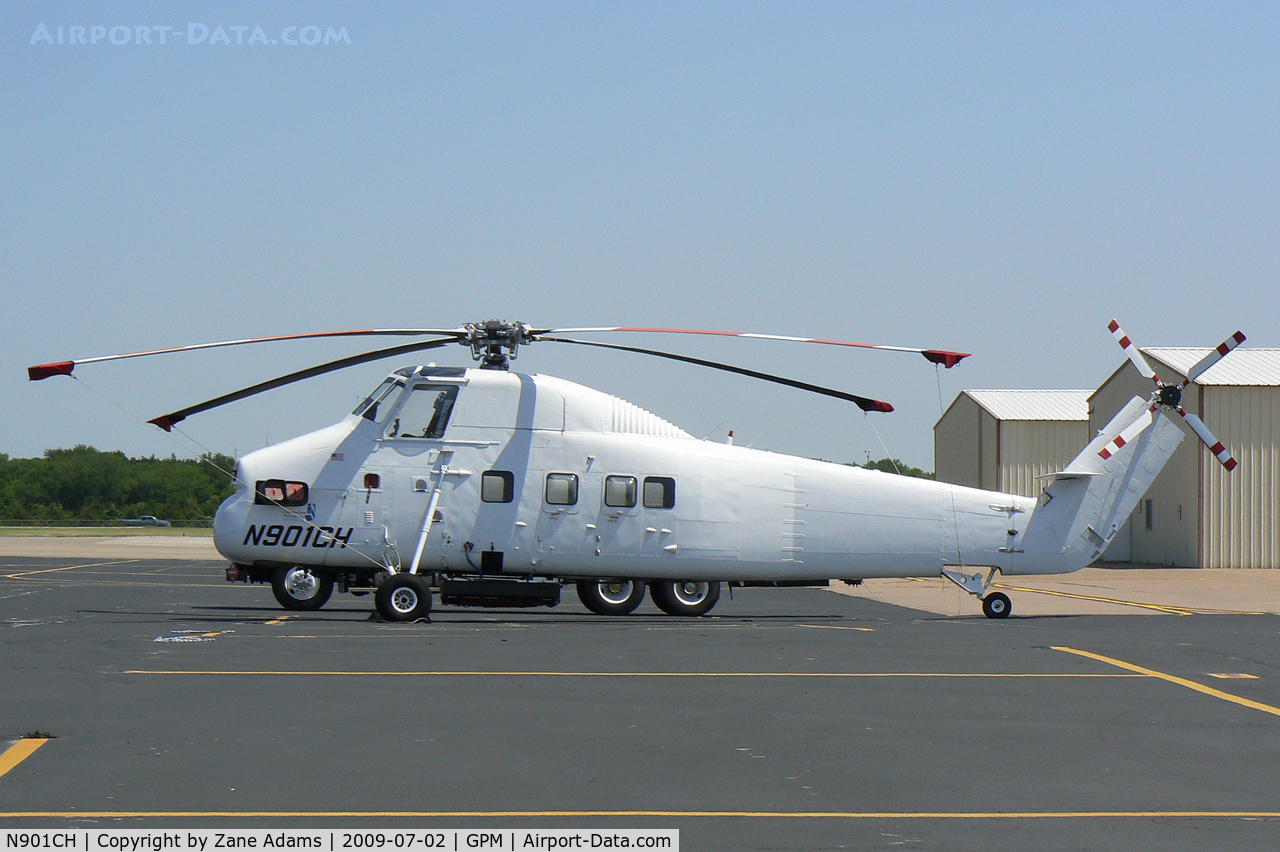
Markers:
{"x": 1169, "y": 395}
{"x": 494, "y": 343}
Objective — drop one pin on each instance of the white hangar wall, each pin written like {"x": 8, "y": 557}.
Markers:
{"x": 1002, "y": 440}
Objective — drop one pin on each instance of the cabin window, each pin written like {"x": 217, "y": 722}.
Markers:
{"x": 620, "y": 491}
{"x": 424, "y": 412}
{"x": 659, "y": 492}
{"x": 562, "y": 489}
{"x": 497, "y": 486}
{"x": 277, "y": 492}
{"x": 380, "y": 401}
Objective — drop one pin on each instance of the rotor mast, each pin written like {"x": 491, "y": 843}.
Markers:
{"x": 494, "y": 343}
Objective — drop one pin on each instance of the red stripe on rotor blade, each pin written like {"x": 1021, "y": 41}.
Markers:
{"x": 1112, "y": 326}
{"x": 1217, "y": 449}
{"x": 943, "y": 357}
{"x": 44, "y": 371}
{"x": 1229, "y": 464}
{"x": 1125, "y": 342}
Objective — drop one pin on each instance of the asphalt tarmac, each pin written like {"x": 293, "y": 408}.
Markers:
{"x": 790, "y": 719}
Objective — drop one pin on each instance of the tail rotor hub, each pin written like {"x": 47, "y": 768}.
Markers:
{"x": 1169, "y": 395}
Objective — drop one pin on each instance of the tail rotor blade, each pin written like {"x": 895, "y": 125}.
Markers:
{"x": 1132, "y": 351}
{"x": 1215, "y": 446}
{"x": 1215, "y": 356}
{"x": 1126, "y": 435}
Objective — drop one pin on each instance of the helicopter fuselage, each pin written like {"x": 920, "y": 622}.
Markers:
{"x": 536, "y": 477}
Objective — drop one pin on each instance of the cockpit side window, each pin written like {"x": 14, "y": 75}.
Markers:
{"x": 424, "y": 412}
{"x": 381, "y": 401}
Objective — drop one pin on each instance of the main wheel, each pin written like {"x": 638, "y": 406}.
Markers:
{"x": 996, "y": 605}
{"x": 403, "y": 597}
{"x": 300, "y": 588}
{"x": 611, "y": 597}
{"x": 685, "y": 597}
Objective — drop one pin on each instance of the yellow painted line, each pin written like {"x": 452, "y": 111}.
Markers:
{"x": 1176, "y": 610}
{"x": 1232, "y": 675}
{"x": 846, "y": 815}
{"x": 1156, "y": 607}
{"x": 19, "y": 752}
{"x": 1180, "y": 681}
{"x": 837, "y": 627}
{"x": 22, "y": 574}
{"x": 282, "y": 618}
{"x": 321, "y": 673}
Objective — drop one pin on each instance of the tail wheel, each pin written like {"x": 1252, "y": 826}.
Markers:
{"x": 300, "y": 588}
{"x": 403, "y": 597}
{"x": 996, "y": 605}
{"x": 611, "y": 597}
{"x": 685, "y": 597}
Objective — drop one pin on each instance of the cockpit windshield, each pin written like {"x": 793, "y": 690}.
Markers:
{"x": 380, "y": 401}
{"x": 425, "y": 412}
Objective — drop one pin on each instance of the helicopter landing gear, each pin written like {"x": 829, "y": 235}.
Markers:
{"x": 403, "y": 597}
{"x": 611, "y": 597}
{"x": 300, "y": 588}
{"x": 996, "y": 605}
{"x": 685, "y": 597}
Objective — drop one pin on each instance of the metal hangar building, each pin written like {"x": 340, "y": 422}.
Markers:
{"x": 1197, "y": 514}
{"x": 1001, "y": 440}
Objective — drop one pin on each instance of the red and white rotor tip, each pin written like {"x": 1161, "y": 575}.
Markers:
{"x": 1132, "y": 351}
{"x": 1214, "y": 356}
{"x": 1215, "y": 446}
{"x": 1127, "y": 434}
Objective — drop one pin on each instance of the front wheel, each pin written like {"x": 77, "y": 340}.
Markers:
{"x": 685, "y": 597}
{"x": 611, "y": 597}
{"x": 299, "y": 588}
{"x": 996, "y": 605}
{"x": 403, "y": 597}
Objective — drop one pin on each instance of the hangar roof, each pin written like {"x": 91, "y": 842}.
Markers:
{"x": 1240, "y": 367}
{"x": 1034, "y": 404}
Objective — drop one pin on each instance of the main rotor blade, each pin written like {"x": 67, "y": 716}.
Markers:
{"x": 937, "y": 356}
{"x": 64, "y": 368}
{"x": 862, "y": 402}
{"x": 1132, "y": 351}
{"x": 1215, "y": 446}
{"x": 1214, "y": 357}
{"x": 167, "y": 421}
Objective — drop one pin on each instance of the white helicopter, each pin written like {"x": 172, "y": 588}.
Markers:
{"x": 497, "y": 488}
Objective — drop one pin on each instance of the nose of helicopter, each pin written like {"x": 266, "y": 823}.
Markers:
{"x": 231, "y": 518}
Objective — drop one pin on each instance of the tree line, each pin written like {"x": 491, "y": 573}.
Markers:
{"x": 83, "y": 483}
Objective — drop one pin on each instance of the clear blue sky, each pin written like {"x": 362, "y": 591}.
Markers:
{"x": 997, "y": 178}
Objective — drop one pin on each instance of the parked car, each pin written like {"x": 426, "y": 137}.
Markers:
{"x": 145, "y": 521}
